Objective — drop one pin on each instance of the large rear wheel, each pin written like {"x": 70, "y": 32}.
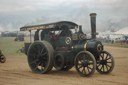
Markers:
{"x": 40, "y": 56}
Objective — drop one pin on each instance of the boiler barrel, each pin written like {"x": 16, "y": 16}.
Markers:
{"x": 92, "y": 46}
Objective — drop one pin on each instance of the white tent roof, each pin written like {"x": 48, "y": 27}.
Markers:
{"x": 1, "y": 29}
{"x": 122, "y": 31}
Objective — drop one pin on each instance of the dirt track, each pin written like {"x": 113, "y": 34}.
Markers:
{"x": 17, "y": 72}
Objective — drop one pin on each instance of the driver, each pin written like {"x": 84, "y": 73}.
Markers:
{"x": 53, "y": 36}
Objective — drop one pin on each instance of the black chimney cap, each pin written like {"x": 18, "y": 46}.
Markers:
{"x": 93, "y": 14}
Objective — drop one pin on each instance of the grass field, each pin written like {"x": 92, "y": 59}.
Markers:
{"x": 116, "y": 45}
{"x": 9, "y": 46}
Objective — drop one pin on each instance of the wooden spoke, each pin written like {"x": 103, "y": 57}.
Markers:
{"x": 106, "y": 56}
{"x": 99, "y": 65}
{"x": 83, "y": 70}
{"x": 106, "y": 67}
{"x": 80, "y": 67}
{"x": 109, "y": 62}
{"x": 88, "y": 69}
{"x": 103, "y": 68}
{"x": 109, "y": 66}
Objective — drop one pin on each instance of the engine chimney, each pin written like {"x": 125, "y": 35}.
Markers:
{"x": 93, "y": 25}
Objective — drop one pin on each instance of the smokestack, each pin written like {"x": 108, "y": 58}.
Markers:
{"x": 93, "y": 25}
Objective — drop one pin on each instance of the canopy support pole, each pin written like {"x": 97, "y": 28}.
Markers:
{"x": 30, "y": 37}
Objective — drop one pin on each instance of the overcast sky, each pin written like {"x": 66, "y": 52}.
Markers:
{"x": 111, "y": 14}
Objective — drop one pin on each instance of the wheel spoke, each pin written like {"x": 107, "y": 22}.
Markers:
{"x": 90, "y": 63}
{"x": 80, "y": 67}
{"x": 106, "y": 56}
{"x": 106, "y": 67}
{"x": 34, "y": 61}
{"x": 43, "y": 54}
{"x": 83, "y": 70}
{"x": 88, "y": 69}
{"x": 103, "y": 68}
{"x": 98, "y": 62}
{"x": 109, "y": 62}
{"x": 42, "y": 50}
{"x": 109, "y": 66}
{"x": 99, "y": 65}
{"x": 102, "y": 57}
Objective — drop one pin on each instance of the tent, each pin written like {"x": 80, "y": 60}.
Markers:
{"x": 123, "y": 31}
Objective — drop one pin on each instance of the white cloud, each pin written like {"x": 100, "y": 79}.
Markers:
{"x": 21, "y": 12}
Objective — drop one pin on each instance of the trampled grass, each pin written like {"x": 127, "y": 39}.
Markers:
{"x": 9, "y": 46}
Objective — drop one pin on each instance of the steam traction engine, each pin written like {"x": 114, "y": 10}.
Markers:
{"x": 58, "y": 46}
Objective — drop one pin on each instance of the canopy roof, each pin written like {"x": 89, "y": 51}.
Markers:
{"x": 51, "y": 26}
{"x": 123, "y": 31}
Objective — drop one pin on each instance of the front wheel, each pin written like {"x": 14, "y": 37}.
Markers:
{"x": 105, "y": 64}
{"x": 85, "y": 63}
